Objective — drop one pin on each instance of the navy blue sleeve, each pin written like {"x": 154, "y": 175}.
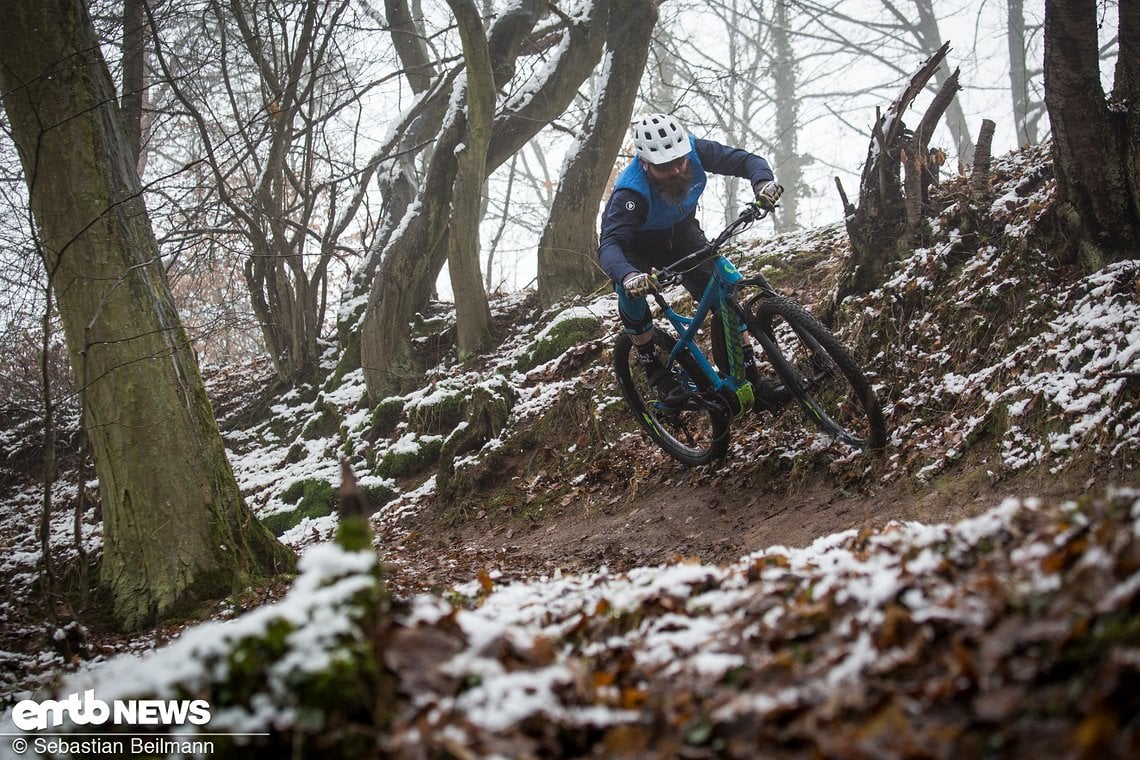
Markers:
{"x": 625, "y": 212}
{"x": 734, "y": 162}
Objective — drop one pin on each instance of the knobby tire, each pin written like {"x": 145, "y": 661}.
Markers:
{"x": 817, "y": 371}
{"x": 694, "y": 433}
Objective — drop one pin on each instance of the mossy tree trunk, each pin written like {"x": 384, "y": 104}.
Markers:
{"x": 568, "y": 250}
{"x": 176, "y": 530}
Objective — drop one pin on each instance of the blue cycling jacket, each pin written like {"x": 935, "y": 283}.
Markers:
{"x": 637, "y": 220}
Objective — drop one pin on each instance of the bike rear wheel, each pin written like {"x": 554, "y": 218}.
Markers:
{"x": 693, "y": 432}
{"x": 818, "y": 372}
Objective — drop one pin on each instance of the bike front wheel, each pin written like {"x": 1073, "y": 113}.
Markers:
{"x": 818, "y": 372}
{"x": 693, "y": 431}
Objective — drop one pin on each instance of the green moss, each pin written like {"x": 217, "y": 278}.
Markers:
{"x": 293, "y": 494}
{"x": 337, "y": 705}
{"x": 422, "y": 328}
{"x": 327, "y": 422}
{"x": 385, "y": 416}
{"x": 314, "y": 498}
{"x": 563, "y": 336}
{"x": 378, "y": 496}
{"x": 405, "y": 462}
{"x": 246, "y": 671}
{"x": 353, "y": 533}
{"x": 442, "y": 412}
{"x": 486, "y": 413}
{"x": 349, "y": 360}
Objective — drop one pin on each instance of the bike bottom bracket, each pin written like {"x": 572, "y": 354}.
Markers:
{"x": 739, "y": 401}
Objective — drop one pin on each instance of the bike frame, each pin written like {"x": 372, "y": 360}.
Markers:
{"x": 720, "y": 293}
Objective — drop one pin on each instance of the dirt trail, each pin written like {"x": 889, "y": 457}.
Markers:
{"x": 710, "y": 521}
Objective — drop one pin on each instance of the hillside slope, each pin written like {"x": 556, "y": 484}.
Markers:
{"x": 1004, "y": 371}
{"x": 590, "y": 595}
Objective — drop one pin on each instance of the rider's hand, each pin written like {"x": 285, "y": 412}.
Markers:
{"x": 767, "y": 193}
{"x": 637, "y": 284}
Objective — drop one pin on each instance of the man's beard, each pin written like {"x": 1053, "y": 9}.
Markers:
{"x": 675, "y": 187}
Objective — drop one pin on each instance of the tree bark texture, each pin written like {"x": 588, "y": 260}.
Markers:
{"x": 980, "y": 174}
{"x": 176, "y": 530}
{"x": 1095, "y": 139}
{"x": 134, "y": 75}
{"x": 567, "y": 252}
{"x": 521, "y": 118}
{"x": 1126, "y": 89}
{"x": 404, "y": 280}
{"x": 920, "y": 170}
{"x": 411, "y": 45}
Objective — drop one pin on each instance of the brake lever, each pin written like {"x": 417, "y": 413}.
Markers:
{"x": 666, "y": 277}
{"x": 758, "y": 209}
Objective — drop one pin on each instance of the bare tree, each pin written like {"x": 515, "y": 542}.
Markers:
{"x": 265, "y": 101}
{"x": 741, "y": 93}
{"x": 473, "y": 315}
{"x": 567, "y": 253}
{"x": 890, "y": 215}
{"x": 414, "y": 258}
{"x": 1096, "y": 136}
{"x": 1028, "y": 105}
{"x": 176, "y": 530}
{"x": 134, "y": 62}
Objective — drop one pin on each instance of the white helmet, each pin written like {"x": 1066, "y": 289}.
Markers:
{"x": 659, "y": 138}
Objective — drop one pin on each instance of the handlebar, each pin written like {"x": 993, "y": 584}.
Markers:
{"x": 749, "y": 215}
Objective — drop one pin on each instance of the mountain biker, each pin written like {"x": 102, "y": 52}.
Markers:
{"x": 650, "y": 221}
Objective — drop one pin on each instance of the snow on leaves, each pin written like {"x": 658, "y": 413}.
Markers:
{"x": 997, "y": 633}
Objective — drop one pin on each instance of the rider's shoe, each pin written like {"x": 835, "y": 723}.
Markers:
{"x": 669, "y": 391}
{"x": 769, "y": 394}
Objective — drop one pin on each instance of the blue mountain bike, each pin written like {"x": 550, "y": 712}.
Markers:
{"x": 806, "y": 365}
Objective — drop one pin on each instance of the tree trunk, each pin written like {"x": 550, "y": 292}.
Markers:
{"x": 1095, "y": 142}
{"x": 524, "y": 115}
{"x": 398, "y": 187}
{"x": 410, "y": 44}
{"x": 980, "y": 175}
{"x": 472, "y": 313}
{"x": 1126, "y": 89}
{"x": 567, "y": 253}
{"x": 1025, "y": 112}
{"x": 176, "y": 530}
{"x": 134, "y": 75}
{"x": 406, "y": 275}
{"x": 785, "y": 155}
{"x": 955, "y": 117}
{"x": 920, "y": 170}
